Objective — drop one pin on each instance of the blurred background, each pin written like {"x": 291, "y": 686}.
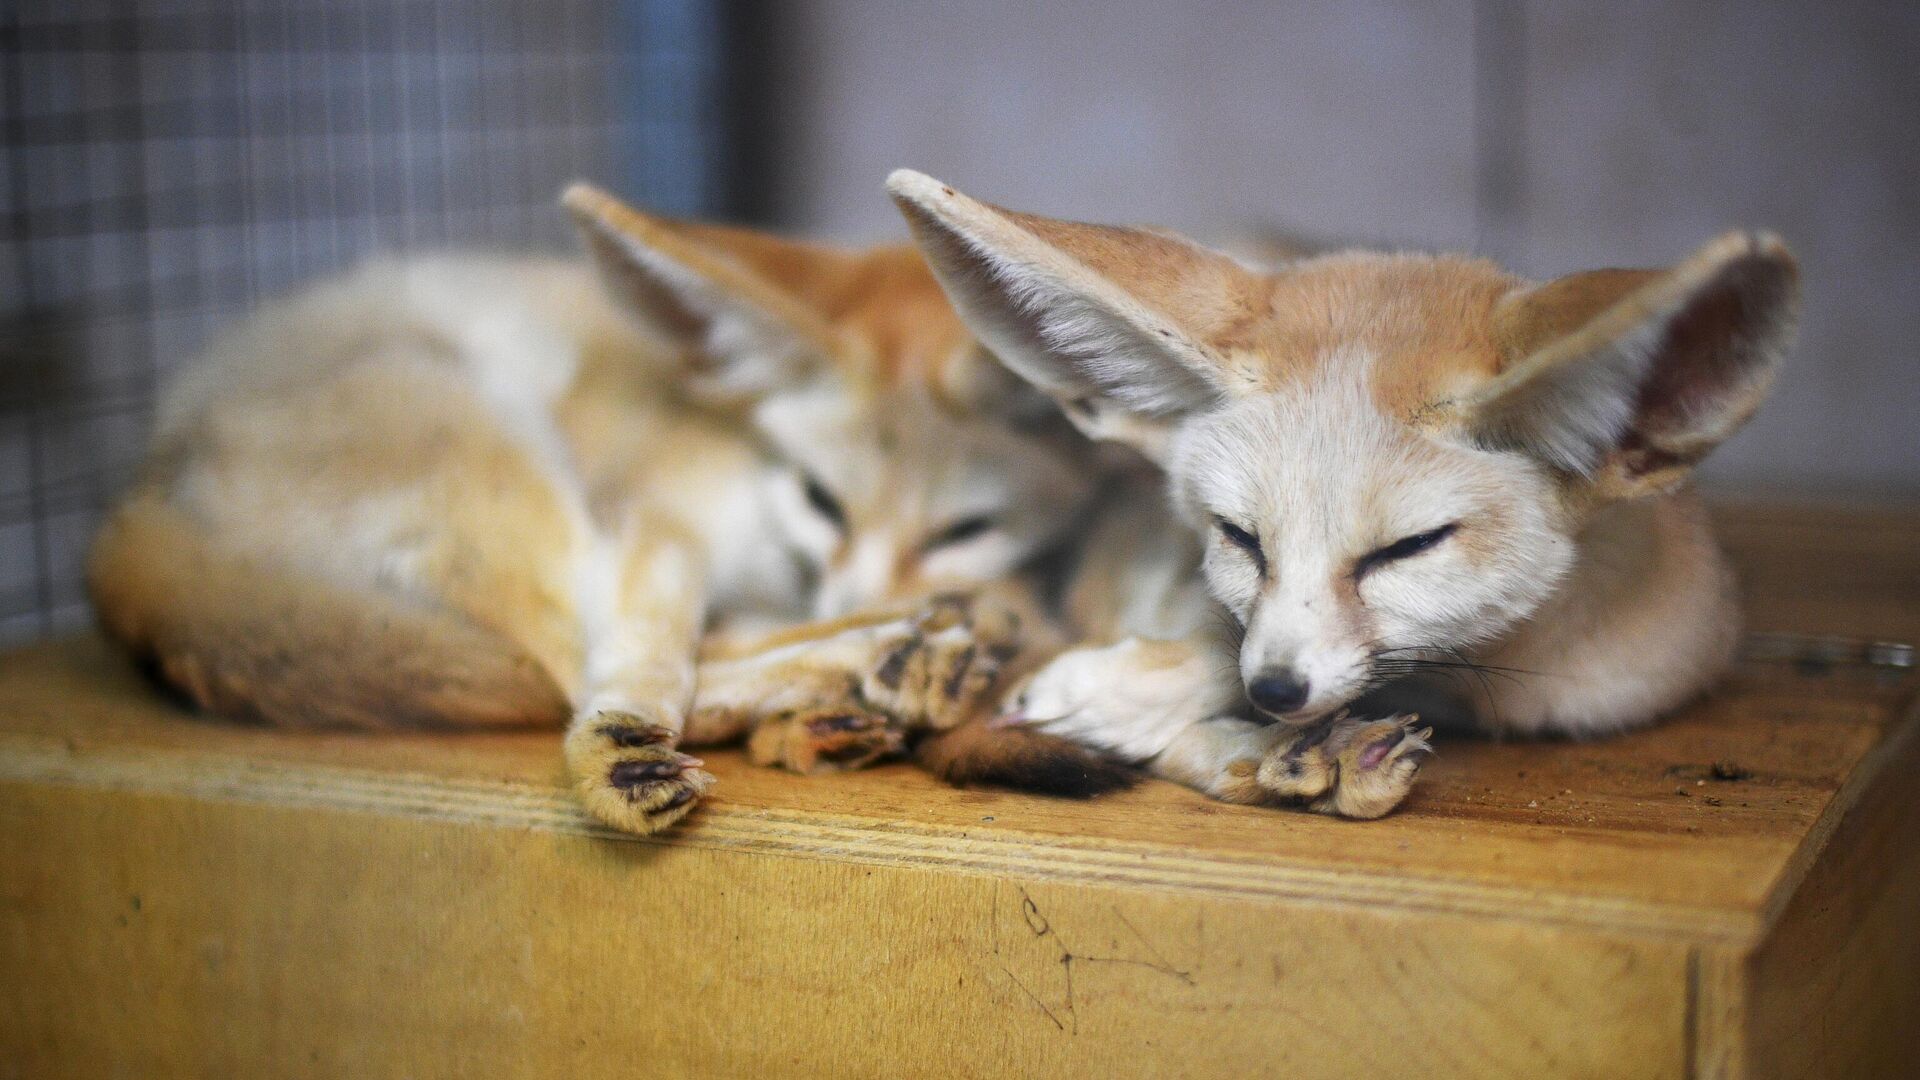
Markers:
{"x": 168, "y": 163}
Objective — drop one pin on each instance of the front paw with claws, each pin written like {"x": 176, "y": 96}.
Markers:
{"x": 1346, "y": 767}
{"x": 824, "y": 740}
{"x": 628, "y": 773}
{"x": 943, "y": 665}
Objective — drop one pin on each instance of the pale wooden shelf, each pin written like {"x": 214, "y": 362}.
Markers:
{"x": 180, "y": 896}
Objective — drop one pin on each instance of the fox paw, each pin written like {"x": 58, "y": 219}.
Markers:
{"x": 1127, "y": 699}
{"x": 940, "y": 667}
{"x": 824, "y": 740}
{"x": 628, "y": 773}
{"x": 1345, "y": 767}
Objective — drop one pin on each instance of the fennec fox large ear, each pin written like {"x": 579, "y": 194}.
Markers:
{"x": 1110, "y": 322}
{"x": 1629, "y": 377}
{"x": 712, "y": 290}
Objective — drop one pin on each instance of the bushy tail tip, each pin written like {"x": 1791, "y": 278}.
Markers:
{"x": 1021, "y": 759}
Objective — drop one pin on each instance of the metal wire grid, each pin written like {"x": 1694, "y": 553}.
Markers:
{"x": 169, "y": 163}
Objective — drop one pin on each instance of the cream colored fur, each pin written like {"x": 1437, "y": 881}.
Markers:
{"x": 477, "y": 490}
{"x": 1395, "y": 463}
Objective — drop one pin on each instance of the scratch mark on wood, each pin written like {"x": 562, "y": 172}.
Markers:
{"x": 1030, "y": 911}
{"x": 1066, "y": 965}
{"x": 1031, "y": 996}
{"x": 1164, "y": 965}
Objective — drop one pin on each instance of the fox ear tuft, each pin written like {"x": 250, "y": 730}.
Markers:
{"x": 1630, "y": 377}
{"x": 703, "y": 290}
{"x": 1084, "y": 312}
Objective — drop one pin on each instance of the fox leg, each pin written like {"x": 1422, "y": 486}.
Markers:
{"x": 800, "y": 695}
{"x": 1343, "y": 767}
{"x": 835, "y": 695}
{"x": 641, "y": 605}
{"x": 1130, "y": 698}
{"x": 1169, "y": 704}
{"x": 614, "y": 618}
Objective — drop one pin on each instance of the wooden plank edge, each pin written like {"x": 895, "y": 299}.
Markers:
{"x": 1719, "y": 986}
{"x": 1902, "y": 739}
{"x": 1716, "y": 1013}
{"x": 870, "y": 841}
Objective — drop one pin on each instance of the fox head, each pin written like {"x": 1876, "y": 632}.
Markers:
{"x": 1392, "y": 455}
{"x": 903, "y": 459}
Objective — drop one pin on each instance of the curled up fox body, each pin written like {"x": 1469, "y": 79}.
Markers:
{"x": 468, "y": 491}
{"x": 739, "y": 487}
{"x": 1416, "y": 482}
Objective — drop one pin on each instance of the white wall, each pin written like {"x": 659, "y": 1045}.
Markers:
{"x": 1552, "y": 134}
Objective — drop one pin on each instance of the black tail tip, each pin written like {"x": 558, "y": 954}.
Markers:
{"x": 1041, "y": 765}
{"x": 1085, "y": 778}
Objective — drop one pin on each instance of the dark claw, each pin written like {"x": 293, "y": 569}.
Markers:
{"x": 633, "y": 774}
{"x": 894, "y": 667}
{"x": 1314, "y": 737}
{"x": 680, "y": 798}
{"x": 628, "y": 736}
{"x": 840, "y": 755}
{"x": 960, "y": 669}
{"x": 828, "y": 725}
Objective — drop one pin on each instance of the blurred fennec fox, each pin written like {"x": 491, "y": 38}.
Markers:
{"x": 480, "y": 491}
{"x": 1400, "y": 467}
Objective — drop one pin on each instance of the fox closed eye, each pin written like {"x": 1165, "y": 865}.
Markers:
{"x": 1246, "y": 541}
{"x": 824, "y": 503}
{"x": 960, "y": 531}
{"x": 1404, "y": 548}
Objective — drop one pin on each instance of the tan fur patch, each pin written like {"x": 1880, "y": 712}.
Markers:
{"x": 1424, "y": 320}
{"x": 1239, "y": 783}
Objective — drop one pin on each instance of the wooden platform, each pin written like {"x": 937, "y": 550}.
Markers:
{"x": 180, "y": 897}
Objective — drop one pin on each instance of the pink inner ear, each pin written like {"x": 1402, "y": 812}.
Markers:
{"x": 1712, "y": 348}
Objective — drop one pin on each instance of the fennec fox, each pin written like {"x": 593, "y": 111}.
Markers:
{"x": 480, "y": 491}
{"x": 1403, "y": 469}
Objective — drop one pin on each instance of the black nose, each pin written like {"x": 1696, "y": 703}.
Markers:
{"x": 1278, "y": 691}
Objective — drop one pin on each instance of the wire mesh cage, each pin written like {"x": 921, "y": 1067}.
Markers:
{"x": 169, "y": 163}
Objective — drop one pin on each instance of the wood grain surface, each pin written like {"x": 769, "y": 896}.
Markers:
{"x": 182, "y": 896}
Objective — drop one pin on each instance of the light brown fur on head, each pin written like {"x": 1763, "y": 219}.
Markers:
{"x": 856, "y": 371}
{"x": 1454, "y": 344}
{"x": 1333, "y": 420}
{"x": 943, "y": 469}
{"x": 1445, "y": 336}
